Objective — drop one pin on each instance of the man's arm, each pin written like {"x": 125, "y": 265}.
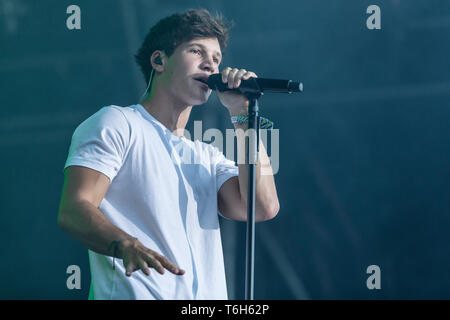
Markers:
{"x": 80, "y": 217}
{"x": 232, "y": 197}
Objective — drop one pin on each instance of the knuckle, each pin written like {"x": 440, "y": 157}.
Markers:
{"x": 150, "y": 253}
{"x": 164, "y": 261}
{"x": 151, "y": 261}
{"x": 141, "y": 263}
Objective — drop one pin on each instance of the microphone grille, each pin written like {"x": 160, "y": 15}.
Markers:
{"x": 295, "y": 86}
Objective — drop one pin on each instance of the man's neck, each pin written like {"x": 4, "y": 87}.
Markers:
{"x": 174, "y": 116}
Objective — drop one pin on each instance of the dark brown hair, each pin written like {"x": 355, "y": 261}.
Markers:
{"x": 170, "y": 32}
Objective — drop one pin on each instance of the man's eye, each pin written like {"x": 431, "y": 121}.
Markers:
{"x": 198, "y": 51}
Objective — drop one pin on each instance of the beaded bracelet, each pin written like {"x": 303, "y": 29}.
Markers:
{"x": 116, "y": 243}
{"x": 264, "y": 123}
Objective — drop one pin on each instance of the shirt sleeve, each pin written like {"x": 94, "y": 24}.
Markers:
{"x": 100, "y": 142}
{"x": 225, "y": 168}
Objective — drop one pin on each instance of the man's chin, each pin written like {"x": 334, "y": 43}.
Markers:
{"x": 203, "y": 99}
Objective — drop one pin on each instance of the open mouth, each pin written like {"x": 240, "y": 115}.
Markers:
{"x": 204, "y": 82}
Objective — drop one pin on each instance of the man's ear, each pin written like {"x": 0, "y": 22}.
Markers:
{"x": 158, "y": 60}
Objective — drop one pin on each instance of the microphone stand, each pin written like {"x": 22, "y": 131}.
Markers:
{"x": 253, "y": 91}
{"x": 252, "y": 150}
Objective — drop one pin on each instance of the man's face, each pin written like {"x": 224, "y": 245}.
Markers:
{"x": 193, "y": 59}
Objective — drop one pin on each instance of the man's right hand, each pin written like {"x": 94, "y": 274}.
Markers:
{"x": 136, "y": 256}
{"x": 80, "y": 216}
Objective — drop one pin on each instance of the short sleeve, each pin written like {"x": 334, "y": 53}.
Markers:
{"x": 100, "y": 142}
{"x": 225, "y": 168}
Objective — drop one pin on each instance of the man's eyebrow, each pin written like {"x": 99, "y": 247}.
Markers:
{"x": 204, "y": 48}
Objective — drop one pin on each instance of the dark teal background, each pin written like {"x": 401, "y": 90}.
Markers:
{"x": 364, "y": 175}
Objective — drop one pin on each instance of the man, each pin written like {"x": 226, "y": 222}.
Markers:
{"x": 129, "y": 195}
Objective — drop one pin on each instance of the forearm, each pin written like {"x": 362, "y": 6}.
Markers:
{"x": 87, "y": 224}
{"x": 266, "y": 199}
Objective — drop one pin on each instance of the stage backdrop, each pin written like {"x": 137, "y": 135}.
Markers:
{"x": 363, "y": 173}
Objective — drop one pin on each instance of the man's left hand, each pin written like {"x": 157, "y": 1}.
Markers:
{"x": 235, "y": 102}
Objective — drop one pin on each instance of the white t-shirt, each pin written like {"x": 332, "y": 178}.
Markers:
{"x": 163, "y": 191}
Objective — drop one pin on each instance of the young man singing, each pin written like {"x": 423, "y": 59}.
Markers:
{"x": 130, "y": 197}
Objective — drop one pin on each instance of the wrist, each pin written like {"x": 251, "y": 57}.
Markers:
{"x": 124, "y": 245}
{"x": 242, "y": 120}
{"x": 238, "y": 112}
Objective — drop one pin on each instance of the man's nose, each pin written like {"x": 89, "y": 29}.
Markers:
{"x": 209, "y": 66}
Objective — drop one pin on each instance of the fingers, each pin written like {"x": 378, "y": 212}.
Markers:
{"x": 248, "y": 75}
{"x": 144, "y": 267}
{"x": 130, "y": 268}
{"x": 150, "y": 259}
{"x": 155, "y": 264}
{"x": 170, "y": 266}
{"x": 234, "y": 76}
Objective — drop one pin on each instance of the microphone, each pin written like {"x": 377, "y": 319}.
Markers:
{"x": 255, "y": 85}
